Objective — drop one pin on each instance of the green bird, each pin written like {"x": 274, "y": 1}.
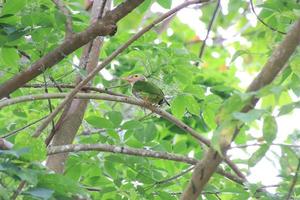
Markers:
{"x": 145, "y": 90}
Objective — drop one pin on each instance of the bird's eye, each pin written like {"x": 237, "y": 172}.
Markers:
{"x": 135, "y": 76}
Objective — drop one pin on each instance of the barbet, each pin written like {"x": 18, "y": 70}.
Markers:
{"x": 146, "y": 90}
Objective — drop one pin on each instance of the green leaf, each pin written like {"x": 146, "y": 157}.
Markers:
{"x": 114, "y": 134}
{"x": 288, "y": 108}
{"x": 192, "y": 105}
{"x": 145, "y": 6}
{"x": 249, "y": 116}
{"x": 10, "y": 56}
{"x": 295, "y": 65}
{"x": 195, "y": 90}
{"x": 165, "y": 195}
{"x": 238, "y": 54}
{"x": 99, "y": 122}
{"x": 15, "y": 153}
{"x": 258, "y": 155}
{"x": 147, "y": 135}
{"x": 133, "y": 124}
{"x": 40, "y": 193}
{"x": 178, "y": 106}
{"x": 115, "y": 117}
{"x": 13, "y": 6}
{"x": 269, "y": 129}
{"x": 165, "y": 3}
{"x": 36, "y": 146}
{"x": 62, "y": 185}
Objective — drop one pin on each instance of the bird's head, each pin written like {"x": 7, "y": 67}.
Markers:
{"x": 134, "y": 78}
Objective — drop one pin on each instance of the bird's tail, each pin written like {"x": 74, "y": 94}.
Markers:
{"x": 164, "y": 100}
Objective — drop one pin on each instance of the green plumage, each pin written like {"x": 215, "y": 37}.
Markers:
{"x": 148, "y": 92}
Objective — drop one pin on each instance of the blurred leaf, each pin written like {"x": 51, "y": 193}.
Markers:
{"x": 115, "y": 117}
{"x": 269, "y": 128}
{"x": 258, "y": 155}
{"x": 178, "y": 106}
{"x": 13, "y": 6}
{"x": 249, "y": 116}
{"x": 165, "y": 3}
{"x": 10, "y": 56}
{"x": 147, "y": 135}
{"x": 238, "y": 54}
{"x": 99, "y": 122}
{"x": 40, "y": 193}
{"x": 36, "y": 146}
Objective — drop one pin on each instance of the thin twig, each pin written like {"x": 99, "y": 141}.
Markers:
{"x": 63, "y": 9}
{"x": 7, "y": 135}
{"x": 209, "y": 29}
{"x": 118, "y": 51}
{"x": 260, "y": 144}
{"x": 262, "y": 21}
{"x": 55, "y": 83}
{"x": 294, "y": 181}
{"x": 175, "y": 177}
{"x": 49, "y": 100}
{"x": 18, "y": 191}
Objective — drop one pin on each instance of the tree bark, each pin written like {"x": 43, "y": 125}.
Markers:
{"x": 71, "y": 119}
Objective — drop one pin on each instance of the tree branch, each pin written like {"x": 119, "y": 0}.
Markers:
{"x": 102, "y": 27}
{"x": 209, "y": 29}
{"x": 260, "y": 144}
{"x": 117, "y": 149}
{"x": 69, "y": 27}
{"x": 207, "y": 166}
{"x": 294, "y": 181}
{"x": 132, "y": 151}
{"x": 18, "y": 191}
{"x": 125, "y": 99}
{"x": 262, "y": 21}
{"x": 22, "y": 128}
{"x": 107, "y": 61}
{"x": 72, "y": 116}
{"x": 85, "y": 88}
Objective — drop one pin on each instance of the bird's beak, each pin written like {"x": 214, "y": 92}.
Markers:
{"x": 125, "y": 79}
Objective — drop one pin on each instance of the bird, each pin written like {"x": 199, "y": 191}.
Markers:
{"x": 146, "y": 90}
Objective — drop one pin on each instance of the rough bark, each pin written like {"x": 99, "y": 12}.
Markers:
{"x": 71, "y": 119}
{"x": 208, "y": 165}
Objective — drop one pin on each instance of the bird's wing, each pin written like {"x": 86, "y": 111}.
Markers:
{"x": 147, "y": 87}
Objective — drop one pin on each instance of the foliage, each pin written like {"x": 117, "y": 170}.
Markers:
{"x": 198, "y": 96}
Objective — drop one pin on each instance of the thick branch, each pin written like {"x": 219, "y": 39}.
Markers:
{"x": 133, "y": 151}
{"x": 125, "y": 99}
{"x": 102, "y": 27}
{"x": 122, "y": 150}
{"x": 71, "y": 119}
{"x": 207, "y": 166}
